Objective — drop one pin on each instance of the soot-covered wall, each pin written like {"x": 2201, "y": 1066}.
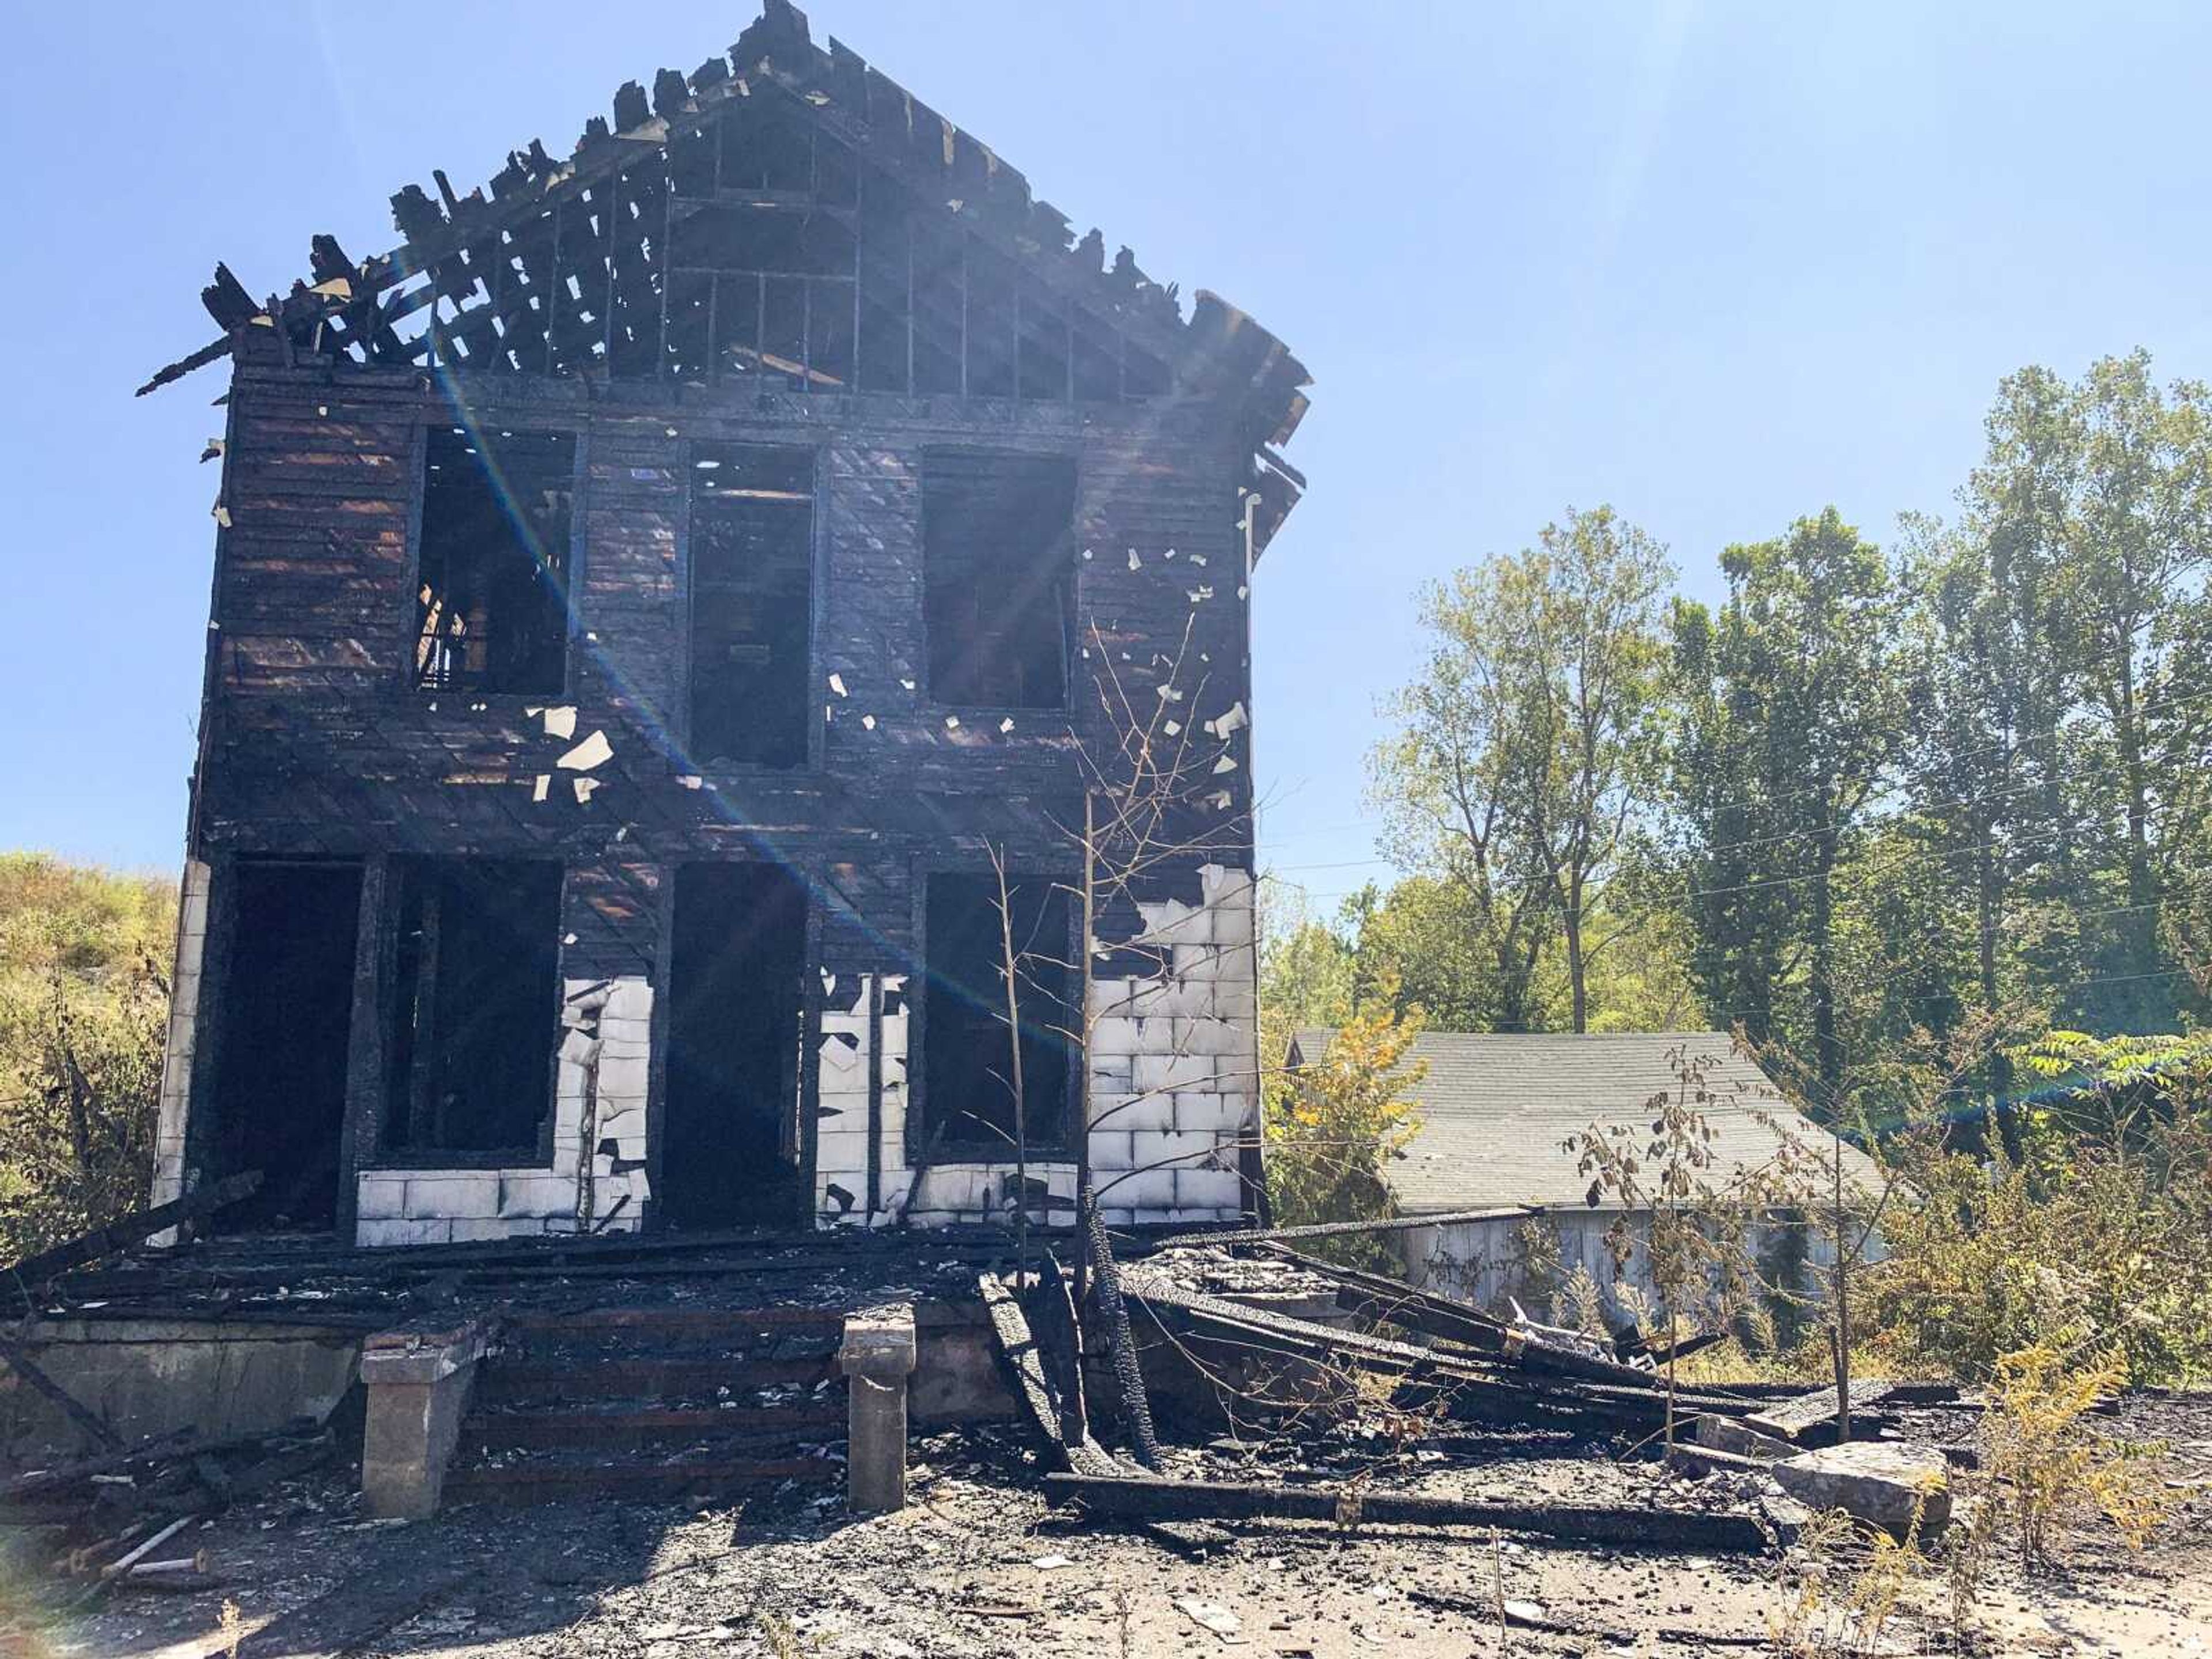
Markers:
{"x": 321, "y": 741}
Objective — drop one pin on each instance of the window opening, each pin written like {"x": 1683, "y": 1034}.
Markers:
{"x": 492, "y": 608}
{"x": 997, "y": 534}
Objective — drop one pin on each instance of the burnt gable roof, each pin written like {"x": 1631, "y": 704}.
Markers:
{"x": 561, "y": 266}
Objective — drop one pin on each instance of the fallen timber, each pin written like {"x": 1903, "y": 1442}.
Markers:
{"x": 18, "y": 1360}
{"x": 1150, "y": 1500}
{"x": 1390, "y": 1302}
{"x": 1810, "y": 1418}
{"x": 1491, "y": 1387}
{"x": 133, "y": 1230}
{"x": 1049, "y": 1413}
{"x": 1105, "y": 1279}
{"x": 1400, "y": 1223}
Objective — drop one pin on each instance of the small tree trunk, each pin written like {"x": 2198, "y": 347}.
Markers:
{"x": 1014, "y": 1047}
{"x": 1827, "y": 1043}
{"x": 1840, "y": 1291}
{"x": 1577, "y": 969}
{"x": 1082, "y": 1055}
{"x": 1988, "y": 878}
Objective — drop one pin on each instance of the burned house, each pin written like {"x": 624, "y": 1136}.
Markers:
{"x": 651, "y": 606}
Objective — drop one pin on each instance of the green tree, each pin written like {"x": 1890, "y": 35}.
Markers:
{"x": 1588, "y": 600}
{"x": 1335, "y": 1126}
{"x": 1449, "y": 783}
{"x": 84, "y": 999}
{"x": 1516, "y": 770}
{"x": 2140, "y": 535}
{"x": 1791, "y": 706}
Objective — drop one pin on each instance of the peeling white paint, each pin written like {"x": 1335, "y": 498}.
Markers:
{"x": 594, "y": 751}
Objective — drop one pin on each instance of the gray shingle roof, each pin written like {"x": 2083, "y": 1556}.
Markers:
{"x": 1496, "y": 1109}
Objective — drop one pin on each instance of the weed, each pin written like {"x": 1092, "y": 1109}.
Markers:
{"x": 2047, "y": 1464}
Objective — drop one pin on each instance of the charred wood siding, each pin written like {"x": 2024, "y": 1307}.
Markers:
{"x": 318, "y": 740}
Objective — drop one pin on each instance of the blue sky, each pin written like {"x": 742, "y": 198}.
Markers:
{"x": 1717, "y": 265}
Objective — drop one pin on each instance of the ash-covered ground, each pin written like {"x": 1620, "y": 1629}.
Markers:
{"x": 979, "y": 1564}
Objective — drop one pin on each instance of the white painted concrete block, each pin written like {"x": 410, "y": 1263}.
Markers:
{"x": 1155, "y": 1072}
{"x": 1221, "y": 885}
{"x": 536, "y": 1193}
{"x": 630, "y": 998}
{"x": 1116, "y": 1036}
{"x": 1207, "y": 1189}
{"x": 1197, "y": 962}
{"x": 1132, "y": 1111}
{"x": 445, "y": 1193}
{"x": 379, "y": 1234}
{"x": 623, "y": 1076}
{"x": 1112, "y": 1150}
{"x": 1210, "y": 1037}
{"x": 1144, "y": 1188}
{"x": 381, "y": 1197}
{"x": 956, "y": 1186}
{"x": 1171, "y": 1147}
{"x": 1112, "y": 1075}
{"x": 842, "y": 1152}
{"x": 1202, "y": 1113}
{"x": 841, "y": 1060}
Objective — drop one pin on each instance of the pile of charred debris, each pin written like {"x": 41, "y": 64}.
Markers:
{"x": 1183, "y": 1384}
{"x": 1349, "y": 1391}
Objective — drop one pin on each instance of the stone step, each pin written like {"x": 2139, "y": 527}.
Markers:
{"x": 692, "y": 1344}
{"x": 674, "y": 1320}
{"x": 629, "y": 1427}
{"x": 550, "y": 1479}
{"x": 700, "y": 1378}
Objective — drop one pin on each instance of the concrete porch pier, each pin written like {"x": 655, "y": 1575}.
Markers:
{"x": 878, "y": 1355}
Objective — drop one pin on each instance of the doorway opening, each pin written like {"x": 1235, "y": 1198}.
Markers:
{"x": 968, "y": 1099}
{"x": 280, "y": 1071}
{"x": 475, "y": 1011}
{"x": 729, "y": 1141}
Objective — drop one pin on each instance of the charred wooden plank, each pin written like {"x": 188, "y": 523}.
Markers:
{"x": 1033, "y": 1382}
{"x": 1151, "y": 1499}
{"x": 132, "y": 1229}
{"x": 19, "y": 1360}
{"x": 1106, "y": 1287}
{"x": 1393, "y": 1301}
{"x": 1810, "y": 1419}
{"x": 1399, "y": 1223}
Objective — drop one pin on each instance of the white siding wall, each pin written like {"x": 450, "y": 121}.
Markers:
{"x": 1484, "y": 1262}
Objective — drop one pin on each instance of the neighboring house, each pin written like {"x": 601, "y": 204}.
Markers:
{"x": 1496, "y": 1115}
{"x": 644, "y": 602}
